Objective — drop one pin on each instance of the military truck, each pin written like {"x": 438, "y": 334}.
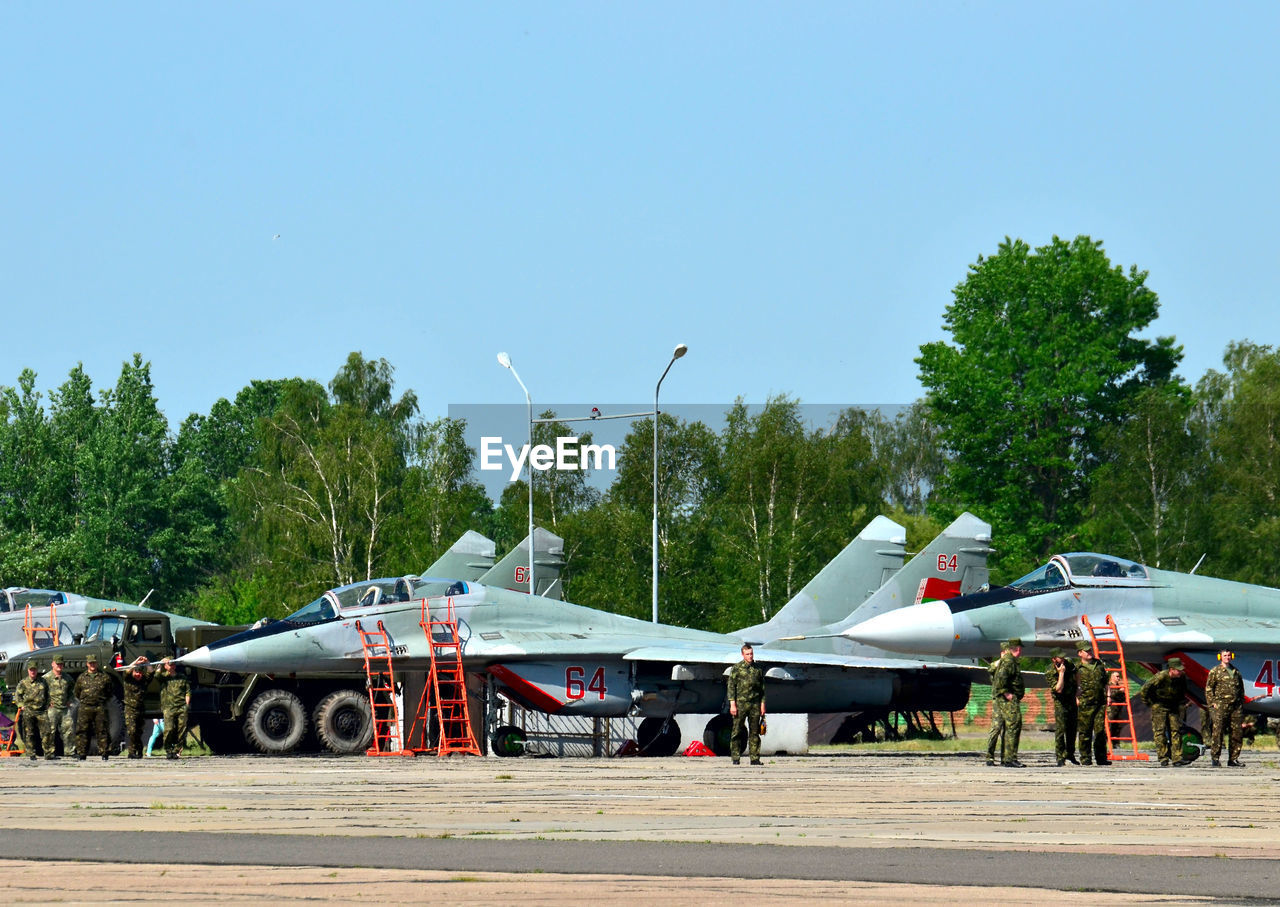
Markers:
{"x": 235, "y": 712}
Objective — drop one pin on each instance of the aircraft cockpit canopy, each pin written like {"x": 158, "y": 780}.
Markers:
{"x": 374, "y": 592}
{"x": 17, "y": 598}
{"x": 1082, "y": 569}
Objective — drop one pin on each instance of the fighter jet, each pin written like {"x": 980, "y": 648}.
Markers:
{"x": 566, "y": 659}
{"x": 38, "y": 618}
{"x": 1158, "y": 613}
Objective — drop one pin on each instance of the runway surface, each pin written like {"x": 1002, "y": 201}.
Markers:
{"x": 848, "y": 827}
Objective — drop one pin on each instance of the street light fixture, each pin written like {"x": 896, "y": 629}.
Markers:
{"x": 679, "y": 351}
{"x": 505, "y": 361}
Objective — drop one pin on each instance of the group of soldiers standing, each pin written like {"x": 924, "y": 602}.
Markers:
{"x": 1084, "y": 696}
{"x": 45, "y": 703}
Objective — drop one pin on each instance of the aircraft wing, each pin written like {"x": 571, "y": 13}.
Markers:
{"x": 727, "y": 655}
{"x": 1151, "y": 634}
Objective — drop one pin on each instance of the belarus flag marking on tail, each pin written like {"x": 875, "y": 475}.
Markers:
{"x": 934, "y": 588}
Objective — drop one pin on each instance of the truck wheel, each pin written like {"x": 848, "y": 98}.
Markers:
{"x": 276, "y": 722}
{"x": 344, "y": 723}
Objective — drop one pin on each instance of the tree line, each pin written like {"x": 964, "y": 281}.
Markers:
{"x": 1048, "y": 412}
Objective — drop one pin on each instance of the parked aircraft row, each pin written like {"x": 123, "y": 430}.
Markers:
{"x": 838, "y": 645}
{"x": 566, "y": 659}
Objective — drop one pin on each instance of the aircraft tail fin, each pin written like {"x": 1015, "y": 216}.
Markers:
{"x": 467, "y": 559}
{"x": 849, "y": 579}
{"x": 548, "y": 559}
{"x": 954, "y": 563}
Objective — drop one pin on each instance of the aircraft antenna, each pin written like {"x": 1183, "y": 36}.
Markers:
{"x": 1199, "y": 562}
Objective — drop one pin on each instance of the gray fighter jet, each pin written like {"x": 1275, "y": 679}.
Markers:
{"x": 1158, "y": 613}
{"x": 566, "y": 659}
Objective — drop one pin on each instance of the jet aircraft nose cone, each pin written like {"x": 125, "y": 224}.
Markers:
{"x": 197, "y": 658}
{"x": 927, "y": 629}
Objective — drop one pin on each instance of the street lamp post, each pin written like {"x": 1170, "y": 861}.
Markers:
{"x": 679, "y": 351}
{"x": 505, "y": 361}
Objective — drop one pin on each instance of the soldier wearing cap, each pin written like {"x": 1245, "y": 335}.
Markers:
{"x": 1224, "y": 696}
{"x": 1091, "y": 700}
{"x": 58, "y": 718}
{"x": 1060, "y": 677}
{"x": 32, "y": 697}
{"x": 1166, "y": 694}
{"x": 1007, "y": 690}
{"x": 93, "y": 690}
{"x": 136, "y": 679}
{"x": 175, "y": 702}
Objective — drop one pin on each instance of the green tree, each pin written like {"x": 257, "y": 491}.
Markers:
{"x": 1147, "y": 501}
{"x": 320, "y": 505}
{"x": 440, "y": 498}
{"x": 1243, "y": 411}
{"x": 1045, "y": 353}
{"x": 789, "y": 495}
{"x": 612, "y": 543}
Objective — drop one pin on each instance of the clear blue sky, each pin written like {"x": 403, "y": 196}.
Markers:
{"x": 790, "y": 189}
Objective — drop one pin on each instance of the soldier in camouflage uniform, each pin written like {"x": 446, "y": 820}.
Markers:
{"x": 1224, "y": 696}
{"x": 1091, "y": 699}
{"x": 175, "y": 701}
{"x": 995, "y": 736}
{"x": 1166, "y": 694}
{"x": 32, "y": 696}
{"x": 136, "y": 679}
{"x": 746, "y": 703}
{"x": 1061, "y": 681}
{"x": 93, "y": 690}
{"x": 1007, "y": 689}
{"x": 58, "y": 721}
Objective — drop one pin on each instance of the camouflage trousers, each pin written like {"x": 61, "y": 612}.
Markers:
{"x": 1225, "y": 720}
{"x": 1064, "y": 730}
{"x": 995, "y": 737}
{"x": 1010, "y": 712}
{"x": 57, "y": 723}
{"x": 133, "y": 722}
{"x": 93, "y": 717}
{"x": 1166, "y": 730}
{"x": 1092, "y": 739}
{"x": 175, "y": 729}
{"x": 35, "y": 726}
{"x": 750, "y": 713}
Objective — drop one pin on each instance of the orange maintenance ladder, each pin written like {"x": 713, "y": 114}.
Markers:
{"x": 381, "y": 682}
{"x": 9, "y": 738}
{"x": 444, "y": 697}
{"x": 1107, "y": 644}
{"x": 33, "y": 629}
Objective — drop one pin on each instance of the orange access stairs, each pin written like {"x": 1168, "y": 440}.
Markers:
{"x": 1120, "y": 731}
{"x": 39, "y": 635}
{"x": 381, "y": 682}
{"x": 443, "y": 706}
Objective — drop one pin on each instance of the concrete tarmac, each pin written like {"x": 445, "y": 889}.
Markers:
{"x": 854, "y": 828}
